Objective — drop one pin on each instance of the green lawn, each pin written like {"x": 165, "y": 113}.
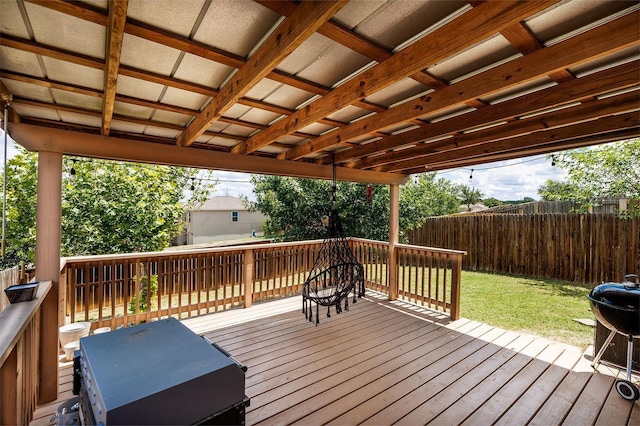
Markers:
{"x": 543, "y": 307}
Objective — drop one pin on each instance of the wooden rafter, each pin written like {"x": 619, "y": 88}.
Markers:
{"x": 140, "y": 102}
{"x": 552, "y": 147}
{"x": 178, "y": 42}
{"x": 115, "y": 33}
{"x": 473, "y": 27}
{"x": 40, "y": 49}
{"x": 605, "y": 81}
{"x": 341, "y": 34}
{"x": 582, "y": 113}
{"x": 600, "y": 126}
{"x": 614, "y": 36}
{"x": 290, "y": 34}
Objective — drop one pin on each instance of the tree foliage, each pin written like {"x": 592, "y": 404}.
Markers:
{"x": 295, "y": 207}
{"x": 492, "y": 202}
{"x": 604, "y": 171}
{"x": 470, "y": 196}
{"x": 107, "y": 206}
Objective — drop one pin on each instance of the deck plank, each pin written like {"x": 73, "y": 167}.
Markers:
{"x": 616, "y": 410}
{"x": 330, "y": 388}
{"x": 447, "y": 384}
{"x": 393, "y": 362}
{"x": 530, "y": 401}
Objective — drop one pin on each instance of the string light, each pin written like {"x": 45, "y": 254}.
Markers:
{"x": 553, "y": 160}
{"x": 471, "y": 175}
{"x": 73, "y": 169}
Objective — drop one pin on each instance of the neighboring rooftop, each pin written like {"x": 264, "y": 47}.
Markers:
{"x": 223, "y": 204}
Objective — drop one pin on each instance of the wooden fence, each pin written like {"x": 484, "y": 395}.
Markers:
{"x": 572, "y": 247}
{"x": 601, "y": 206}
{"x": 8, "y": 277}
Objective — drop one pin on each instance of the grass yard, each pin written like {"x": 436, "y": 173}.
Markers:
{"x": 539, "y": 306}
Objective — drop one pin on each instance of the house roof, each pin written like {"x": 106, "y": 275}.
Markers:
{"x": 383, "y": 88}
{"x": 223, "y": 204}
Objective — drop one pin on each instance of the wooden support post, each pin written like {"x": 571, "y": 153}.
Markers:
{"x": 456, "y": 273}
{"x": 48, "y": 218}
{"x": 8, "y": 396}
{"x": 394, "y": 223}
{"x": 249, "y": 261}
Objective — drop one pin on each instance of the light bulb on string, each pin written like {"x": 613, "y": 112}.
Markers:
{"x": 72, "y": 172}
{"x": 471, "y": 175}
{"x": 553, "y": 160}
{"x": 193, "y": 187}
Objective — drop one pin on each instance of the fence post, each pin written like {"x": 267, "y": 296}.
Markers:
{"x": 456, "y": 272}
{"x": 249, "y": 261}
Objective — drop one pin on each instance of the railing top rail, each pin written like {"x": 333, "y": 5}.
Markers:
{"x": 169, "y": 253}
{"x": 366, "y": 241}
{"x": 431, "y": 249}
{"x": 14, "y": 320}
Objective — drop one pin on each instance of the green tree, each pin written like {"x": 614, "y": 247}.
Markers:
{"x": 469, "y": 196}
{"x": 295, "y": 207}
{"x": 492, "y": 202}
{"x": 426, "y": 196}
{"x": 605, "y": 171}
{"x": 555, "y": 190}
{"x": 107, "y": 206}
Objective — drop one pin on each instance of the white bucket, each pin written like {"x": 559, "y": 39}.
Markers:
{"x": 73, "y": 332}
{"x": 70, "y": 348}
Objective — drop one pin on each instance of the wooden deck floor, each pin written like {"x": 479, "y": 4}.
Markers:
{"x": 392, "y": 362}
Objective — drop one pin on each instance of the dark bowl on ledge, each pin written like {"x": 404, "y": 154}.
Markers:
{"x": 21, "y": 292}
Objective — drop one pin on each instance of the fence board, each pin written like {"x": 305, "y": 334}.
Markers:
{"x": 585, "y": 248}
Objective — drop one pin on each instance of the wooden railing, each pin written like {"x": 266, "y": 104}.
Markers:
{"x": 430, "y": 277}
{"x": 426, "y": 276}
{"x": 19, "y": 366}
{"x": 119, "y": 290}
{"x": 116, "y": 290}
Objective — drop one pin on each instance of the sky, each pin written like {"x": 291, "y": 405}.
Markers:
{"x": 504, "y": 180}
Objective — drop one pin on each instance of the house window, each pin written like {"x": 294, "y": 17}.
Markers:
{"x": 234, "y": 216}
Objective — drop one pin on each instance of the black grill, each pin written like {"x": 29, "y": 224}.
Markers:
{"x": 617, "y": 307}
{"x": 158, "y": 373}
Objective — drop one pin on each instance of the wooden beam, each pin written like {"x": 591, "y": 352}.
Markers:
{"x": 181, "y": 43}
{"x": 473, "y": 27}
{"x": 600, "y": 126}
{"x": 617, "y": 78}
{"x": 36, "y": 138}
{"x": 536, "y": 150}
{"x": 48, "y": 228}
{"x": 582, "y": 113}
{"x": 348, "y": 38}
{"x": 290, "y": 34}
{"x": 115, "y": 33}
{"x": 609, "y": 38}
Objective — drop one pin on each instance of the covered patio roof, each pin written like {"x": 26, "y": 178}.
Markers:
{"x": 384, "y": 88}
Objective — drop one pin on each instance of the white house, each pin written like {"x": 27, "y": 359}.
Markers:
{"x": 219, "y": 219}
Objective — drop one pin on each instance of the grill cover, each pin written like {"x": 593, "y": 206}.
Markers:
{"x": 156, "y": 373}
